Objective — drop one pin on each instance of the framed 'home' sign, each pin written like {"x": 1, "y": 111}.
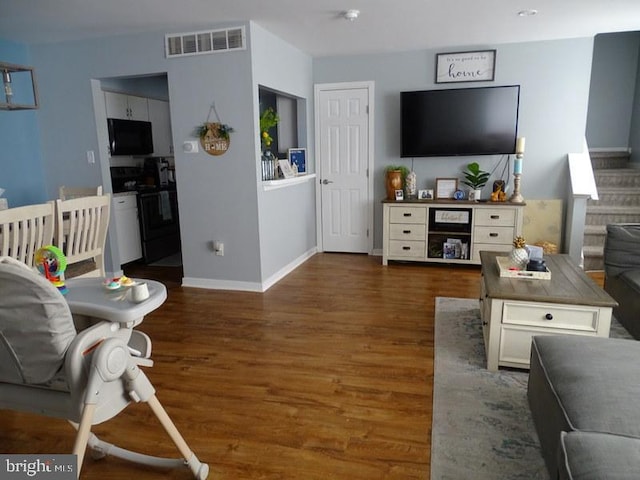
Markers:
{"x": 466, "y": 66}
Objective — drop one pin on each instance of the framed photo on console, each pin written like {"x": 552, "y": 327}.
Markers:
{"x": 445, "y": 187}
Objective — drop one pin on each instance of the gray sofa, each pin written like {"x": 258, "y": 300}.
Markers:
{"x": 622, "y": 273}
{"x": 584, "y": 395}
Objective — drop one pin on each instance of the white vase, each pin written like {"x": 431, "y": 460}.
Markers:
{"x": 411, "y": 184}
{"x": 519, "y": 258}
{"x": 475, "y": 194}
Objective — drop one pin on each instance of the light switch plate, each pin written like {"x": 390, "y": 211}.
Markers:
{"x": 190, "y": 146}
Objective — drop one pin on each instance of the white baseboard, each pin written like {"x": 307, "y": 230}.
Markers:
{"x": 287, "y": 269}
{"x": 213, "y": 284}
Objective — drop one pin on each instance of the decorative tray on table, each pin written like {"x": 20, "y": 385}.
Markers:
{"x": 507, "y": 269}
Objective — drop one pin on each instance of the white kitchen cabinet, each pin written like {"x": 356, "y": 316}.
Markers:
{"x": 127, "y": 107}
{"x": 160, "y": 119}
{"x": 125, "y": 210}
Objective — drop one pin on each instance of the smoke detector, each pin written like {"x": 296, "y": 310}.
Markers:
{"x": 351, "y": 15}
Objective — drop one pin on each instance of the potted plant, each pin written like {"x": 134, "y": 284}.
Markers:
{"x": 476, "y": 179}
{"x": 268, "y": 119}
{"x": 394, "y": 179}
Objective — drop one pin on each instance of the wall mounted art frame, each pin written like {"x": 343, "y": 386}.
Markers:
{"x": 21, "y": 79}
{"x": 445, "y": 187}
{"x": 476, "y": 66}
{"x": 298, "y": 157}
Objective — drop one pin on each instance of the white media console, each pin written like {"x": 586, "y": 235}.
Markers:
{"x": 448, "y": 231}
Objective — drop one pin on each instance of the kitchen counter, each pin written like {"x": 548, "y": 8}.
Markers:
{"x": 124, "y": 194}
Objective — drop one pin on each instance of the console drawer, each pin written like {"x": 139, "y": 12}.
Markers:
{"x": 407, "y": 249}
{"x": 551, "y": 316}
{"x": 502, "y": 235}
{"x": 408, "y": 215}
{"x": 400, "y": 231}
{"x": 495, "y": 216}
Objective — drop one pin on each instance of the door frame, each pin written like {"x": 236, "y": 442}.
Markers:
{"x": 323, "y": 87}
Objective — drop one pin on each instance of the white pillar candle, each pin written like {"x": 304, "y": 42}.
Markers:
{"x": 520, "y": 145}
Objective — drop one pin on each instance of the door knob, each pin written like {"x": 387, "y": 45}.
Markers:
{"x": 326, "y": 182}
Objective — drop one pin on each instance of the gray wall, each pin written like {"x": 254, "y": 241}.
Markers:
{"x": 613, "y": 86}
{"x": 287, "y": 221}
{"x": 20, "y": 153}
{"x": 554, "y": 78}
{"x": 218, "y": 198}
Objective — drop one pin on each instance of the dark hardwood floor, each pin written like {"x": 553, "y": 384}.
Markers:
{"x": 327, "y": 375}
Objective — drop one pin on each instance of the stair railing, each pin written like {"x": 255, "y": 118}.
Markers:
{"x": 582, "y": 185}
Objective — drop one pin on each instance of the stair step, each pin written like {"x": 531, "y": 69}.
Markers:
{"x": 593, "y": 258}
{"x": 609, "y": 159}
{"x": 617, "y": 177}
{"x": 595, "y": 229}
{"x": 605, "y": 214}
{"x": 593, "y": 251}
{"x": 622, "y": 196}
{"x": 618, "y": 201}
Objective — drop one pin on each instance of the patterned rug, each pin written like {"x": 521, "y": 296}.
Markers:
{"x": 482, "y": 426}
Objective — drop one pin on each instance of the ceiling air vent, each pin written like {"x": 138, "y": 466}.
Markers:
{"x": 210, "y": 41}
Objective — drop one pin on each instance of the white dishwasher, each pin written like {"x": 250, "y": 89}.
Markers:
{"x": 125, "y": 210}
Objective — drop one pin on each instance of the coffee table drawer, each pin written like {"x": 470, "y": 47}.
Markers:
{"x": 515, "y": 344}
{"x": 548, "y": 315}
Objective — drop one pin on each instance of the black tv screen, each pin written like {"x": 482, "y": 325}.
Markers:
{"x": 463, "y": 121}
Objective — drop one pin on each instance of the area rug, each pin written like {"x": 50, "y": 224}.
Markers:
{"x": 482, "y": 426}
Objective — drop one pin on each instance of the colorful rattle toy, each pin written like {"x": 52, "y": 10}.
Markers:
{"x": 52, "y": 263}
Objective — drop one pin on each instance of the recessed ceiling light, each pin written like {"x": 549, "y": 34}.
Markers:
{"x": 351, "y": 15}
{"x": 527, "y": 13}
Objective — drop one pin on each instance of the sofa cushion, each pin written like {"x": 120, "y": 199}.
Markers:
{"x": 632, "y": 279}
{"x": 622, "y": 248}
{"x": 596, "y": 381}
{"x": 598, "y": 456}
{"x": 583, "y": 383}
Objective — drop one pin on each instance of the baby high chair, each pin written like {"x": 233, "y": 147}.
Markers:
{"x": 86, "y": 377}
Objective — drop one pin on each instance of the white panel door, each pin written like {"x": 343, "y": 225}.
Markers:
{"x": 343, "y": 148}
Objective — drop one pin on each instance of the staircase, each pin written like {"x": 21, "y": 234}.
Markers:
{"x": 619, "y": 202}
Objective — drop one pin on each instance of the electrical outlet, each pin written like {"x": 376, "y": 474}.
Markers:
{"x": 218, "y": 247}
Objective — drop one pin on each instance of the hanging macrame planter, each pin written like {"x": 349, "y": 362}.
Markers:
{"x": 215, "y": 137}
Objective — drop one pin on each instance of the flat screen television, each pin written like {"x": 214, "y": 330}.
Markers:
{"x": 462, "y": 121}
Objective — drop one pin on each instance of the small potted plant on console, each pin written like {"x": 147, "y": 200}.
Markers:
{"x": 394, "y": 179}
{"x": 476, "y": 179}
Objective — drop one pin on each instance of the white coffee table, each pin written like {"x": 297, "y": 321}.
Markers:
{"x": 515, "y": 309}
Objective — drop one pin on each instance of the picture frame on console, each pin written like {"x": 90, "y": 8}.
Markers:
{"x": 445, "y": 187}
{"x": 425, "y": 194}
